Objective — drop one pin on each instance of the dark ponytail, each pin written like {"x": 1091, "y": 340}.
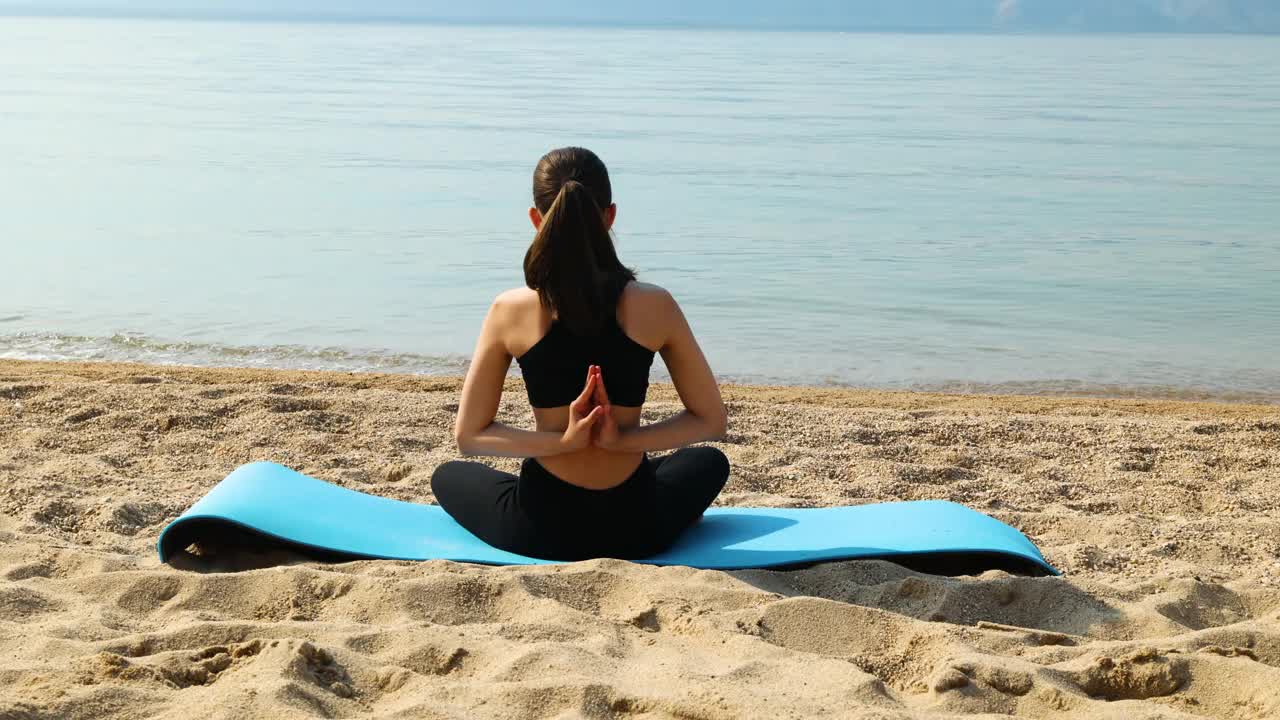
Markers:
{"x": 572, "y": 263}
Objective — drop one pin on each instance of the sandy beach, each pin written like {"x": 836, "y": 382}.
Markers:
{"x": 1164, "y": 517}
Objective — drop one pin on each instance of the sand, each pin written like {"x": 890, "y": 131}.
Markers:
{"x": 1163, "y": 515}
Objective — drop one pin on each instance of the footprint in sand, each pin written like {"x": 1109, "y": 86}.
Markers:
{"x": 319, "y": 666}
{"x": 285, "y": 404}
{"x": 59, "y": 514}
{"x": 144, "y": 380}
{"x": 1143, "y": 675}
{"x": 19, "y": 392}
{"x": 176, "y": 670}
{"x": 20, "y": 604}
{"x": 289, "y": 389}
{"x": 85, "y": 416}
{"x": 42, "y": 569}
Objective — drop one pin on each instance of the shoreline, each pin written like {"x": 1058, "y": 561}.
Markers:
{"x": 1014, "y": 391}
{"x": 1164, "y": 515}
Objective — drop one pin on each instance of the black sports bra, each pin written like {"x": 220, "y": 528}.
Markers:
{"x": 555, "y": 368}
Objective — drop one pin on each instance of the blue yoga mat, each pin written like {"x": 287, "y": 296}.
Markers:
{"x": 273, "y": 505}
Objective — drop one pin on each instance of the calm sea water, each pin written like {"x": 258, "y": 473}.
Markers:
{"x": 1038, "y": 213}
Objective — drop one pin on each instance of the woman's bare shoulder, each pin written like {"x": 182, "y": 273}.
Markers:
{"x": 646, "y": 295}
{"x": 645, "y": 312}
{"x": 517, "y": 318}
{"x": 516, "y": 297}
{"x": 516, "y": 304}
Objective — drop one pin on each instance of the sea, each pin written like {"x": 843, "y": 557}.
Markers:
{"x": 1079, "y": 214}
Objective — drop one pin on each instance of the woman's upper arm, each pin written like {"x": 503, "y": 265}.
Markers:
{"x": 482, "y": 390}
{"x": 689, "y": 369}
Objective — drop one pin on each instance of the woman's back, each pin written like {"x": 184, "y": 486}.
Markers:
{"x": 554, "y": 361}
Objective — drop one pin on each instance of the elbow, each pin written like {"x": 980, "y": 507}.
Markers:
{"x": 718, "y": 424}
{"x": 465, "y": 443}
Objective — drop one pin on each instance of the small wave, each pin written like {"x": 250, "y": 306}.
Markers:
{"x": 138, "y": 348}
{"x": 1102, "y": 390}
{"x": 1080, "y": 388}
{"x": 1065, "y": 388}
{"x": 131, "y": 347}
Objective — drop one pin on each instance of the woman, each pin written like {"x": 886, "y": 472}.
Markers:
{"x": 584, "y": 332}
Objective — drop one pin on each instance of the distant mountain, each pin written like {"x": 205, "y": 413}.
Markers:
{"x": 1259, "y": 16}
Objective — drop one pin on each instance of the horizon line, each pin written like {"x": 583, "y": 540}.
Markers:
{"x": 391, "y": 19}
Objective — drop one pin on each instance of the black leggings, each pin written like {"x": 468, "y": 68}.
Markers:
{"x": 539, "y": 515}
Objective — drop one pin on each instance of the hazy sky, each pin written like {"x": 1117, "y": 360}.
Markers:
{"x": 1054, "y": 15}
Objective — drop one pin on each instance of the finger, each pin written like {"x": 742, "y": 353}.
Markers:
{"x": 580, "y": 405}
{"x": 591, "y": 418}
{"x": 601, "y": 395}
{"x": 595, "y": 383}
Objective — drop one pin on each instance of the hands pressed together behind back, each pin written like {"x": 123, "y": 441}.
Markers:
{"x": 591, "y": 421}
